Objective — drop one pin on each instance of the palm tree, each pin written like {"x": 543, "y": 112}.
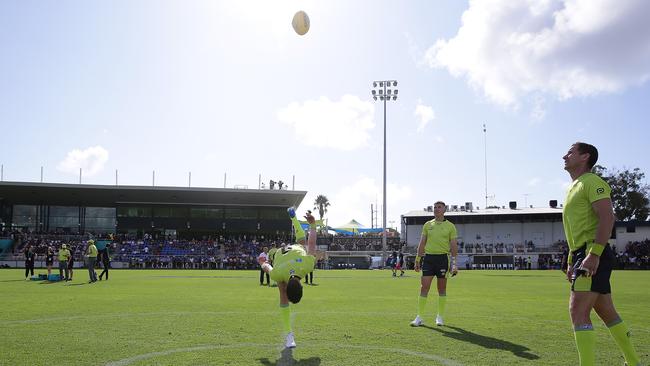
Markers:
{"x": 321, "y": 204}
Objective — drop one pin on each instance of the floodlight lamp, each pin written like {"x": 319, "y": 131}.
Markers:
{"x": 381, "y": 83}
{"x": 395, "y": 92}
{"x": 381, "y": 92}
{"x": 374, "y": 92}
{"x": 374, "y": 84}
{"x": 388, "y": 91}
{"x": 374, "y": 97}
{"x": 394, "y": 97}
{"x": 395, "y": 83}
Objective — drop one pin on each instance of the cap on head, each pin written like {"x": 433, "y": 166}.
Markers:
{"x": 63, "y": 246}
{"x": 91, "y": 242}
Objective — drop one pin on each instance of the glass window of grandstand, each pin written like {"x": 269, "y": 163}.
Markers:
{"x": 206, "y": 213}
{"x": 100, "y": 220}
{"x": 170, "y": 212}
{"x": 64, "y": 219}
{"x": 248, "y": 213}
{"x": 273, "y": 213}
{"x": 233, "y": 213}
{"x": 25, "y": 216}
{"x": 133, "y": 212}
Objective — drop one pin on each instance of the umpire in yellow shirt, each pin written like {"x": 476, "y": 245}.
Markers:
{"x": 439, "y": 239}
{"x": 588, "y": 220}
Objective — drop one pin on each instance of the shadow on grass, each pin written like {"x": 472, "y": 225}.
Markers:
{"x": 23, "y": 280}
{"x": 78, "y": 284}
{"x": 46, "y": 282}
{"x": 484, "y": 341}
{"x": 286, "y": 359}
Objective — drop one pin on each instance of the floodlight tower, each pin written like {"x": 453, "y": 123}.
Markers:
{"x": 382, "y": 90}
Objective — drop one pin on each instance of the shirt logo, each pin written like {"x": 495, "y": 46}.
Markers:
{"x": 298, "y": 260}
{"x": 600, "y": 190}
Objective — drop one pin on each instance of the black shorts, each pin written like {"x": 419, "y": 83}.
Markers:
{"x": 70, "y": 265}
{"x": 435, "y": 265}
{"x": 599, "y": 282}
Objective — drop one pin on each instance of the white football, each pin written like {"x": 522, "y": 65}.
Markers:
{"x": 300, "y": 23}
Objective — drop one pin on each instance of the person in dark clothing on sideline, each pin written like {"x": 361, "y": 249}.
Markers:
{"x": 106, "y": 262}
{"x": 70, "y": 263}
{"x": 49, "y": 260}
{"x": 30, "y": 257}
{"x": 309, "y": 278}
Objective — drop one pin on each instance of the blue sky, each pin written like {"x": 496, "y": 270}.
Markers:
{"x": 227, "y": 87}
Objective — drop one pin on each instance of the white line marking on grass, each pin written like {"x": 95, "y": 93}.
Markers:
{"x": 126, "y": 315}
{"x": 635, "y": 327}
{"x": 426, "y": 356}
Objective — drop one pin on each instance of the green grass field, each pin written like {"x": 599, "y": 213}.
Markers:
{"x": 161, "y": 317}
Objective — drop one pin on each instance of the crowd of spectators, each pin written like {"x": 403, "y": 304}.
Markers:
{"x": 483, "y": 248}
{"x": 635, "y": 255}
{"x": 364, "y": 243}
{"x": 234, "y": 252}
{"x": 240, "y": 252}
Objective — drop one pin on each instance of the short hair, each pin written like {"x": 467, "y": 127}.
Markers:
{"x": 441, "y": 203}
{"x": 585, "y": 148}
{"x": 294, "y": 290}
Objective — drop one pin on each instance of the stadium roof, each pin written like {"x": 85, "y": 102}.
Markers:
{"x": 490, "y": 211}
{"x": 30, "y": 193}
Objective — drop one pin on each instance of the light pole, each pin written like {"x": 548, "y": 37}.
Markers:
{"x": 381, "y": 89}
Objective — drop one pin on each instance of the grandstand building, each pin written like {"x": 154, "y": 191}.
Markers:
{"x": 169, "y": 211}
{"x": 541, "y": 226}
{"x": 499, "y": 237}
{"x": 496, "y": 236}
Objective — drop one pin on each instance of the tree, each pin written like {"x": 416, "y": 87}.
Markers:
{"x": 629, "y": 193}
{"x": 321, "y": 204}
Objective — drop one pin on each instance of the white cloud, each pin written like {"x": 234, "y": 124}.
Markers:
{"x": 534, "y": 181}
{"x": 342, "y": 125}
{"x": 565, "y": 48}
{"x": 353, "y": 201}
{"x": 538, "y": 111}
{"x": 424, "y": 113}
{"x": 91, "y": 161}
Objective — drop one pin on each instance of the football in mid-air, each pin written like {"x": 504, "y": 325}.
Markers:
{"x": 300, "y": 23}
